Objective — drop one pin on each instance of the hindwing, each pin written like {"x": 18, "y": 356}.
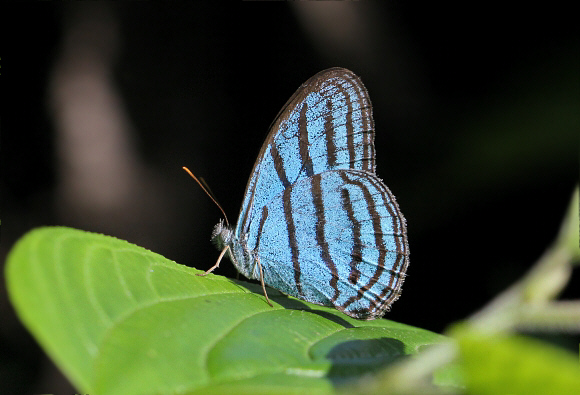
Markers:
{"x": 337, "y": 238}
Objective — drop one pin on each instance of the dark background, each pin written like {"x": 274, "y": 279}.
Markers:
{"x": 476, "y": 113}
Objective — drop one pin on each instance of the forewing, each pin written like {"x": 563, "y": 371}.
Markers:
{"x": 326, "y": 125}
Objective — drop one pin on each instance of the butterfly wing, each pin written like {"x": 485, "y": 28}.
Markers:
{"x": 338, "y": 239}
{"x": 326, "y": 125}
{"x": 316, "y": 217}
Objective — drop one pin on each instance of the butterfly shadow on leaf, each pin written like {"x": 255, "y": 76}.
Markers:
{"x": 291, "y": 303}
{"x": 355, "y": 358}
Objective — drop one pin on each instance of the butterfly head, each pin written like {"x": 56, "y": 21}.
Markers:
{"x": 222, "y": 235}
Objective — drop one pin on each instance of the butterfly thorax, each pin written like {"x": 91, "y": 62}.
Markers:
{"x": 239, "y": 254}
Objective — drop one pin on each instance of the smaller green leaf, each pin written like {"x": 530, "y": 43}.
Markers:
{"x": 570, "y": 229}
{"x": 513, "y": 364}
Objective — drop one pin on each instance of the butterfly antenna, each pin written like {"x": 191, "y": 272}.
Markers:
{"x": 206, "y": 190}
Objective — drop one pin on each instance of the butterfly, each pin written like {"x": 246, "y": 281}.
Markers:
{"x": 316, "y": 222}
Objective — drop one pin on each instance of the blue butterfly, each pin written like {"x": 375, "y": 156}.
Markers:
{"x": 316, "y": 221}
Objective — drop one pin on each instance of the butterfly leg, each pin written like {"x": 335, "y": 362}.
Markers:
{"x": 262, "y": 281}
{"x": 217, "y": 264}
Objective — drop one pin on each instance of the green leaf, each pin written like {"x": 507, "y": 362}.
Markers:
{"x": 119, "y": 319}
{"x": 512, "y": 364}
